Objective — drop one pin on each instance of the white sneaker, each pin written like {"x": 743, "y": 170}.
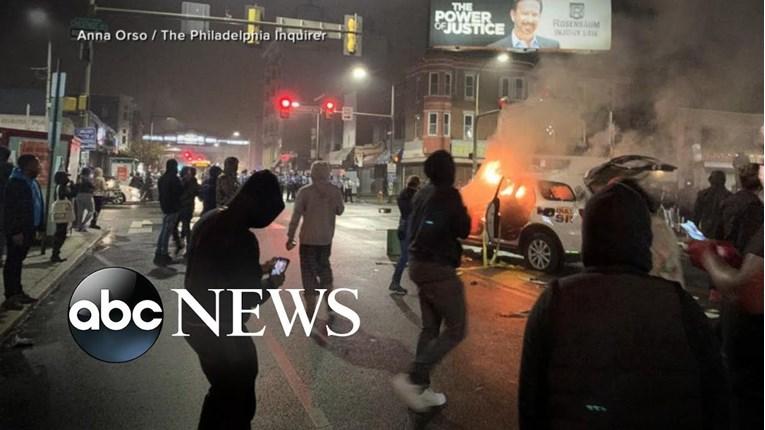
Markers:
{"x": 430, "y": 398}
{"x": 409, "y": 393}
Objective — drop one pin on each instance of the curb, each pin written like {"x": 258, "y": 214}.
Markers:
{"x": 17, "y": 317}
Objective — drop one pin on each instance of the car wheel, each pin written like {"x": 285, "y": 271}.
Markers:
{"x": 119, "y": 199}
{"x": 541, "y": 252}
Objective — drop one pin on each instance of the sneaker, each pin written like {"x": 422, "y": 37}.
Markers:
{"x": 25, "y": 299}
{"x": 409, "y": 393}
{"x": 397, "y": 289}
{"x": 162, "y": 260}
{"x": 57, "y": 259}
{"x": 97, "y": 227}
{"x": 432, "y": 399}
{"x": 11, "y": 304}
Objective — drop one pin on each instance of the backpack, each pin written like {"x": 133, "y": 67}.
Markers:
{"x": 62, "y": 212}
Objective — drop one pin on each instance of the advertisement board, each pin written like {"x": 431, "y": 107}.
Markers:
{"x": 522, "y": 25}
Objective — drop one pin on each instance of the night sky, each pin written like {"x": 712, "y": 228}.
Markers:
{"x": 713, "y": 53}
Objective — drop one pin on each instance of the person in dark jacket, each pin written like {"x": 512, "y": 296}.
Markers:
{"x": 23, "y": 217}
{"x": 616, "y": 348}
{"x": 208, "y": 189}
{"x": 188, "y": 197}
{"x": 63, "y": 192}
{"x": 707, "y": 212}
{"x": 170, "y": 190}
{"x": 405, "y": 207}
{"x": 224, "y": 254}
{"x": 5, "y": 173}
{"x": 84, "y": 203}
{"x": 742, "y": 212}
{"x": 438, "y": 220}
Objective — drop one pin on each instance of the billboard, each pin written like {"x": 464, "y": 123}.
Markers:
{"x": 521, "y": 25}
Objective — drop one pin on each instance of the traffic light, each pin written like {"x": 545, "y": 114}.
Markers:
{"x": 285, "y": 107}
{"x": 254, "y": 14}
{"x": 352, "y": 40}
{"x": 329, "y": 107}
{"x": 187, "y": 155}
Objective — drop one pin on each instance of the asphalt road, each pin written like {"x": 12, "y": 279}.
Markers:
{"x": 303, "y": 383}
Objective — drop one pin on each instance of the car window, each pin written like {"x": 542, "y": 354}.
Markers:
{"x": 556, "y": 191}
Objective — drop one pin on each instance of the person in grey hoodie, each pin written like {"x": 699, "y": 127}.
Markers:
{"x": 317, "y": 204}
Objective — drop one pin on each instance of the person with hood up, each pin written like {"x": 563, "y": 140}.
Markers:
{"x": 228, "y": 182}
{"x": 63, "y": 192}
{"x": 707, "y": 212}
{"x": 24, "y": 217}
{"x": 317, "y": 204}
{"x": 209, "y": 188}
{"x": 438, "y": 220}
{"x": 99, "y": 193}
{"x": 616, "y": 348}
{"x": 742, "y": 212}
{"x": 84, "y": 205}
{"x": 170, "y": 190}
{"x": 221, "y": 256}
{"x": 6, "y": 168}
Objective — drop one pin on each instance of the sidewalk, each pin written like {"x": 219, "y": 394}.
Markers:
{"x": 40, "y": 276}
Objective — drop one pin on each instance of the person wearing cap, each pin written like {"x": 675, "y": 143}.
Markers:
{"x": 223, "y": 255}
{"x": 613, "y": 346}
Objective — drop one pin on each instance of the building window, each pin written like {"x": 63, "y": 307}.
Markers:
{"x": 433, "y": 84}
{"x": 469, "y": 86}
{"x": 125, "y": 115}
{"x": 124, "y": 139}
{"x": 467, "y": 125}
{"x": 432, "y": 124}
{"x": 447, "y": 124}
{"x": 513, "y": 88}
{"x": 447, "y": 84}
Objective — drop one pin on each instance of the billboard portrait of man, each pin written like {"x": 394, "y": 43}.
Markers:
{"x": 525, "y": 15}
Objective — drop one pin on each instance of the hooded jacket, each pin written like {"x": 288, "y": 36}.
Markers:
{"x": 707, "y": 212}
{"x": 742, "y": 216}
{"x": 318, "y": 204}
{"x": 614, "y": 347}
{"x": 223, "y": 252}
{"x": 23, "y": 206}
{"x": 170, "y": 190}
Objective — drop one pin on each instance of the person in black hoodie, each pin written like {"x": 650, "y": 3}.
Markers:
{"x": 405, "y": 207}
{"x": 616, "y": 348}
{"x": 63, "y": 192}
{"x": 438, "y": 220}
{"x": 221, "y": 256}
{"x": 170, "y": 190}
{"x": 188, "y": 197}
{"x": 5, "y": 172}
{"x": 742, "y": 212}
{"x": 707, "y": 212}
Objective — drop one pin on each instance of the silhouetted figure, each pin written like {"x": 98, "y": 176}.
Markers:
{"x": 707, "y": 212}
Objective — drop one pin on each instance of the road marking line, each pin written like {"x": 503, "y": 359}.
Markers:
{"x": 301, "y": 391}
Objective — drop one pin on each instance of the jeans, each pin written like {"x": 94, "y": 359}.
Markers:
{"x": 403, "y": 259}
{"x": 231, "y": 366}
{"x": 316, "y": 272}
{"x": 442, "y": 300}
{"x": 12, "y": 269}
{"x": 83, "y": 202}
{"x": 59, "y": 237}
{"x": 169, "y": 227}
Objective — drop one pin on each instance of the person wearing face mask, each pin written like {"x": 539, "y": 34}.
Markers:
{"x": 223, "y": 254}
{"x": 23, "y": 217}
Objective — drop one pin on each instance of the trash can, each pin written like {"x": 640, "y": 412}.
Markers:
{"x": 394, "y": 246}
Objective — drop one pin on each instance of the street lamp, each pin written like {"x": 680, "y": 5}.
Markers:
{"x": 359, "y": 73}
{"x": 39, "y": 18}
{"x": 235, "y": 134}
{"x": 502, "y": 58}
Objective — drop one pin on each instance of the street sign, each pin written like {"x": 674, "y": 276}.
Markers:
{"x": 196, "y": 9}
{"x": 325, "y": 26}
{"x": 87, "y": 137}
{"x": 347, "y": 113}
{"x": 88, "y": 25}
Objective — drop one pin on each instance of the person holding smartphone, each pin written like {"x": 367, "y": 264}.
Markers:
{"x": 221, "y": 254}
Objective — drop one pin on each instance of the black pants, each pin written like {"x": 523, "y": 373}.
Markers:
{"x": 12, "y": 269}
{"x": 98, "y": 201}
{"x": 231, "y": 366}
{"x": 348, "y": 195}
{"x": 442, "y": 300}
{"x": 184, "y": 218}
{"x": 59, "y": 237}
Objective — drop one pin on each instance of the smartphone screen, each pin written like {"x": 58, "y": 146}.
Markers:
{"x": 280, "y": 266}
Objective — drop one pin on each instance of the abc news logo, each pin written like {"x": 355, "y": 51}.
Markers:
{"x": 115, "y": 314}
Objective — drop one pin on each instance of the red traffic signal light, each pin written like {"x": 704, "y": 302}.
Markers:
{"x": 328, "y": 107}
{"x": 285, "y": 107}
{"x": 187, "y": 155}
